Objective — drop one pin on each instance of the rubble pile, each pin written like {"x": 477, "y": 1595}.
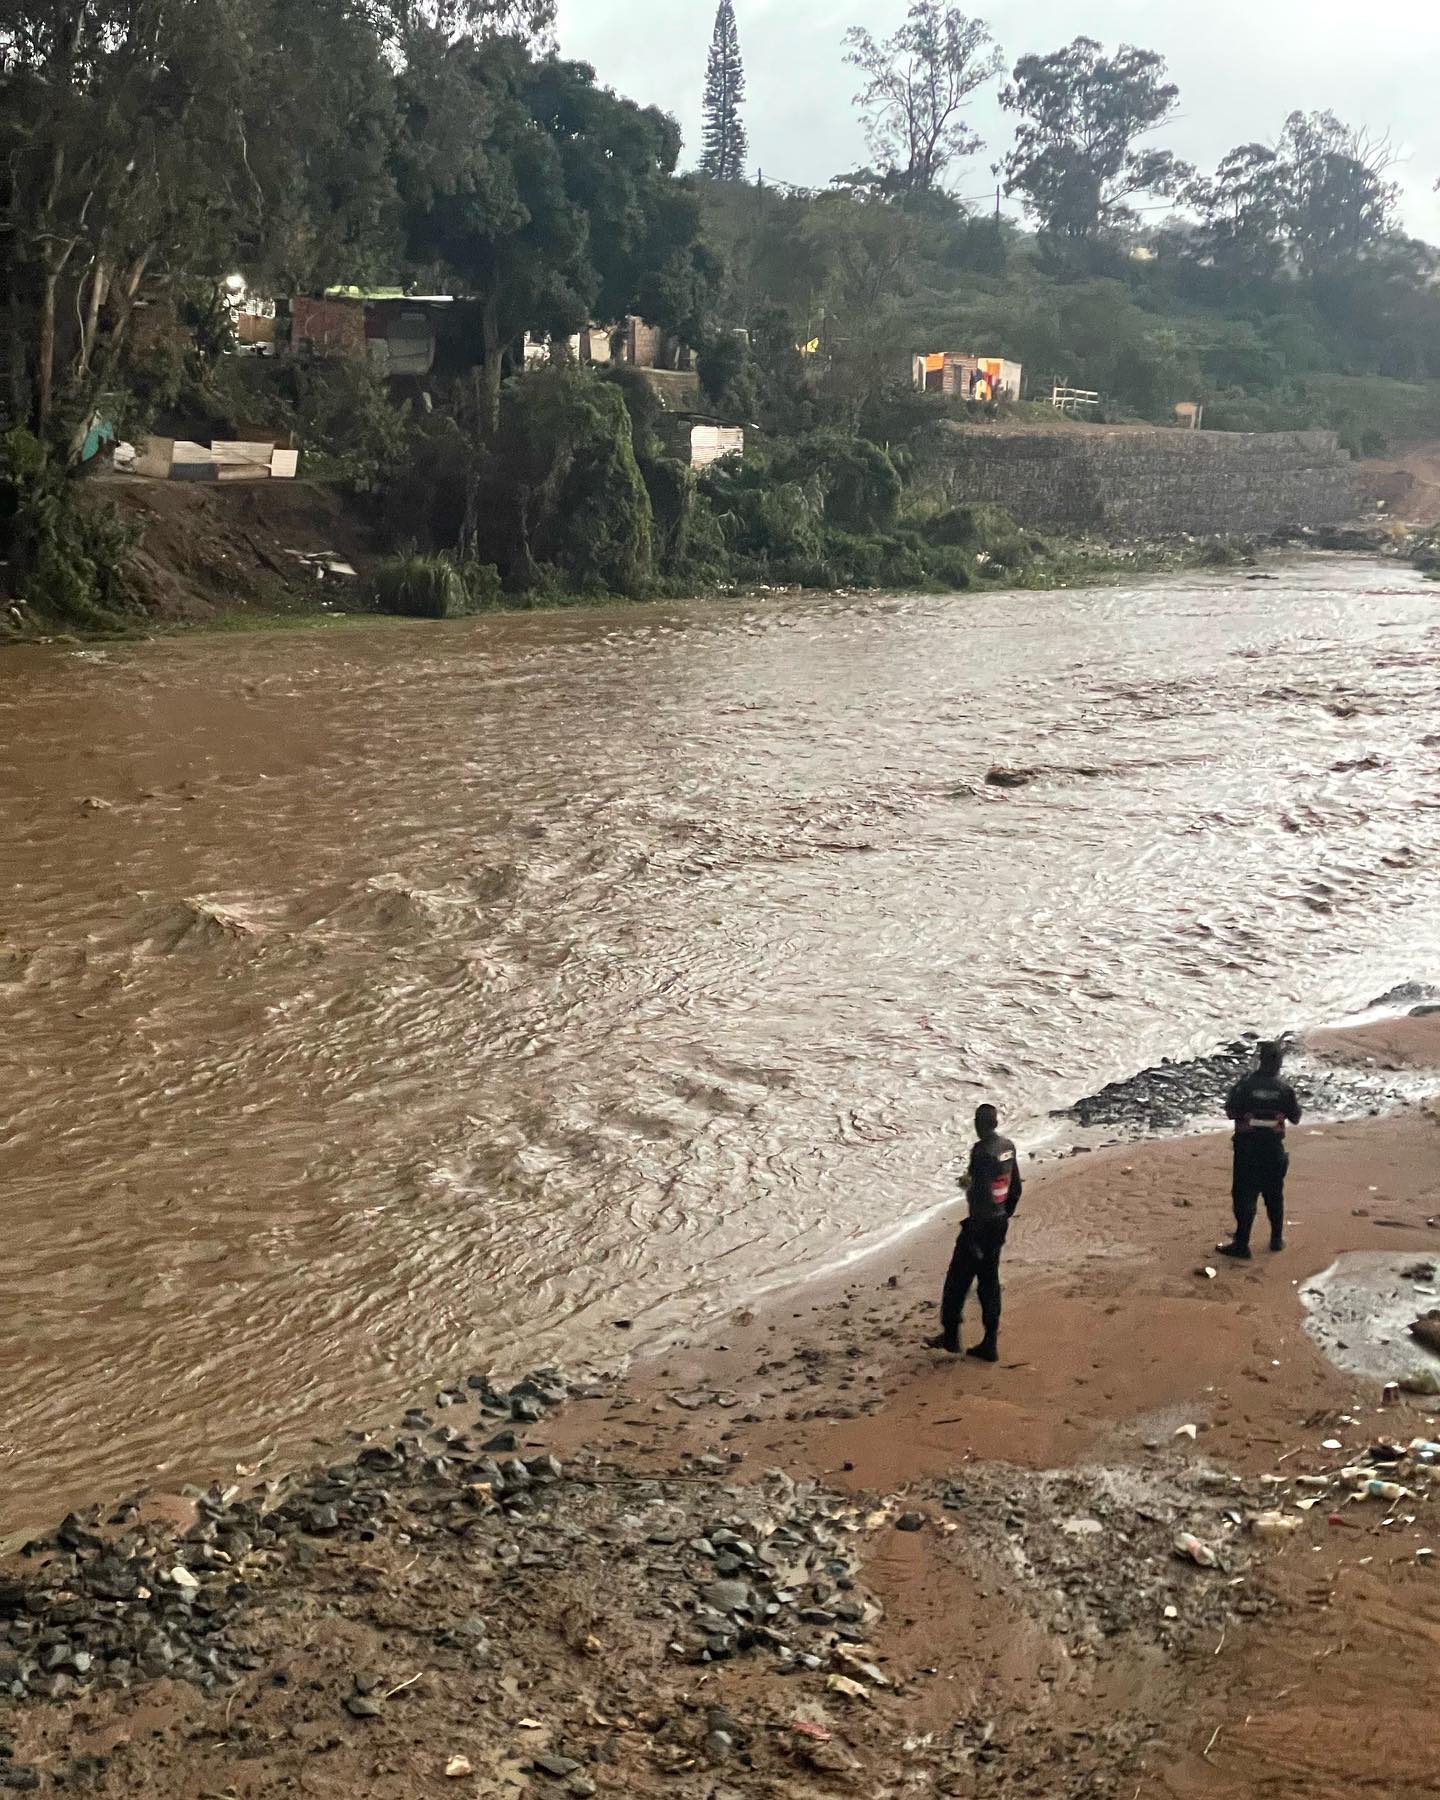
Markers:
{"x": 1105, "y": 1552}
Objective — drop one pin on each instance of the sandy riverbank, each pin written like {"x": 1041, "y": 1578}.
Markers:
{"x": 558, "y": 1644}
{"x": 1406, "y": 1042}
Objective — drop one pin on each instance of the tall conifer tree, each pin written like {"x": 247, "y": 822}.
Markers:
{"x": 725, "y": 144}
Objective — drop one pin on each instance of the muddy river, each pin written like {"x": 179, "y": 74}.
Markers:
{"x": 395, "y": 1002}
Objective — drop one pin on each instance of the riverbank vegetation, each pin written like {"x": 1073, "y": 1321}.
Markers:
{"x": 153, "y": 148}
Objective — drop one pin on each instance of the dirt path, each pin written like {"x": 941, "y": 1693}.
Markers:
{"x": 818, "y": 1558}
{"x": 1408, "y": 483}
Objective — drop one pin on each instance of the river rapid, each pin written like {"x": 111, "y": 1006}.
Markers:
{"x": 396, "y": 1002}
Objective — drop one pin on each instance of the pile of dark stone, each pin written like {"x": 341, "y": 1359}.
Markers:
{"x": 1377, "y": 537}
{"x": 775, "y": 1575}
{"x": 712, "y": 1570}
{"x": 1169, "y": 1096}
{"x": 112, "y": 1601}
{"x": 112, "y": 1609}
{"x": 1172, "y": 1096}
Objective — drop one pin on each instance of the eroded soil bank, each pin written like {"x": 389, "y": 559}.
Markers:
{"x": 810, "y": 1557}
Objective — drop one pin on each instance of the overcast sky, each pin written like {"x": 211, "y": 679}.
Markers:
{"x": 1241, "y": 66}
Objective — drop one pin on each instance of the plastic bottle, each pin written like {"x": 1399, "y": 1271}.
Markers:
{"x": 1198, "y": 1551}
{"x": 1383, "y": 1490}
{"x": 1274, "y": 1524}
{"x": 1425, "y": 1452}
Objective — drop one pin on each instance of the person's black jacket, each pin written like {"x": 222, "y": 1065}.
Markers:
{"x": 992, "y": 1180}
{"x": 1262, "y": 1103}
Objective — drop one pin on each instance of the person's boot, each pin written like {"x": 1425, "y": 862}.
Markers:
{"x": 1240, "y": 1252}
{"x": 1277, "y": 1240}
{"x": 987, "y": 1350}
{"x": 941, "y": 1342}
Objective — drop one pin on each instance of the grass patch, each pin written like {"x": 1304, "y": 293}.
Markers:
{"x": 1377, "y": 417}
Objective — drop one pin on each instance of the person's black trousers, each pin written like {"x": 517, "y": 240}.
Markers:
{"x": 1261, "y": 1162}
{"x": 976, "y": 1261}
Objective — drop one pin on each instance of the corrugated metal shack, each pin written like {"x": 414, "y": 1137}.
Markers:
{"x": 968, "y": 377}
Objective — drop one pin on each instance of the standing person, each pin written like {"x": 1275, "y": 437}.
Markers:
{"x": 1261, "y": 1104}
{"x": 993, "y": 1186}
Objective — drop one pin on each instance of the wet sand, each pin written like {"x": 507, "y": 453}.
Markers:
{"x": 1303, "y": 1670}
{"x": 1403, "y": 1043}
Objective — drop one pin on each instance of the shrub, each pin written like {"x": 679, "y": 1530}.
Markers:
{"x": 948, "y": 568}
{"x": 859, "y": 483}
{"x": 347, "y": 423}
{"x": 67, "y": 551}
{"x": 644, "y": 405}
{"x": 704, "y": 559}
{"x": 421, "y": 587}
{"x": 565, "y": 487}
{"x": 483, "y": 588}
{"x": 728, "y": 377}
{"x": 876, "y": 562}
{"x": 424, "y": 500}
{"x": 762, "y": 517}
{"x": 672, "y": 488}
{"x": 982, "y": 530}
{"x": 340, "y": 412}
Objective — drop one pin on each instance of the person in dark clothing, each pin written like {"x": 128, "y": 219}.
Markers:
{"x": 993, "y": 1187}
{"x": 1261, "y": 1105}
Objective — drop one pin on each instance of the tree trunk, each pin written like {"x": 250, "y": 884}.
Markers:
{"x": 90, "y": 328}
{"x": 45, "y": 353}
{"x": 524, "y": 564}
{"x": 492, "y": 368}
{"x": 51, "y": 264}
{"x": 129, "y": 293}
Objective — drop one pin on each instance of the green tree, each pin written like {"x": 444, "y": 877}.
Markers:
{"x": 1339, "y": 206}
{"x": 319, "y": 139}
{"x": 918, "y": 84}
{"x": 867, "y": 254}
{"x": 149, "y": 145}
{"x": 1316, "y": 204}
{"x": 541, "y": 196}
{"x": 726, "y": 146}
{"x": 1242, "y": 212}
{"x": 1078, "y": 160}
{"x": 754, "y": 233}
{"x": 570, "y": 493}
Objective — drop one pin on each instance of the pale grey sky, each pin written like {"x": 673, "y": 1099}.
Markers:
{"x": 1241, "y": 67}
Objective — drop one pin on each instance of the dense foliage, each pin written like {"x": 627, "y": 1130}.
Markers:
{"x": 153, "y": 147}
{"x": 1079, "y": 155}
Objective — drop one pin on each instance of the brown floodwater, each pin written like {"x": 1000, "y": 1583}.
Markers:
{"x": 392, "y": 1003}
